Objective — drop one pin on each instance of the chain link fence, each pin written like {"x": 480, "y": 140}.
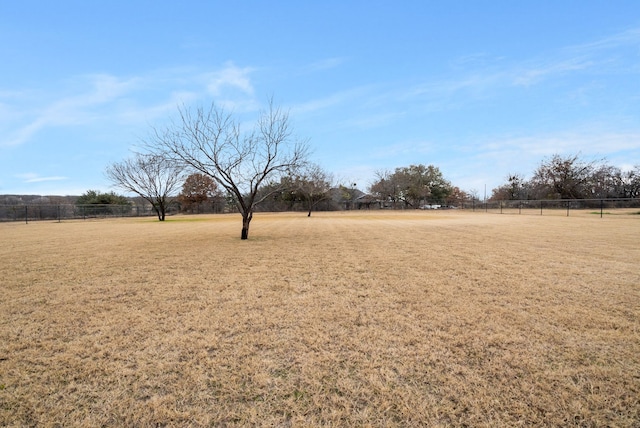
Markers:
{"x": 59, "y": 212}
{"x": 601, "y": 207}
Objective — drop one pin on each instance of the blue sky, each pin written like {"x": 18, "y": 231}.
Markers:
{"x": 479, "y": 89}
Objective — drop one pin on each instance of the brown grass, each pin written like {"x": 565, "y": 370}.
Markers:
{"x": 343, "y": 319}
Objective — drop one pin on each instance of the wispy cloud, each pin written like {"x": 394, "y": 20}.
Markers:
{"x": 111, "y": 99}
{"x": 536, "y": 71}
{"x": 325, "y": 64}
{"x": 71, "y": 109}
{"x": 607, "y": 52}
{"x": 371, "y": 121}
{"x": 489, "y": 161}
{"x": 35, "y": 178}
{"x": 590, "y": 142}
{"x": 230, "y": 76}
{"x": 402, "y": 149}
{"x": 629, "y": 37}
{"x": 335, "y": 99}
{"x": 480, "y": 74}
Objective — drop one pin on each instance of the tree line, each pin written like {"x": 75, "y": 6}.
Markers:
{"x": 571, "y": 177}
{"x": 210, "y": 158}
{"x": 415, "y": 186}
{"x": 214, "y": 159}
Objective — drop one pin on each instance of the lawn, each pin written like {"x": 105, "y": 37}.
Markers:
{"x": 439, "y": 318}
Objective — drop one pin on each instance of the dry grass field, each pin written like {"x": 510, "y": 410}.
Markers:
{"x": 342, "y": 319}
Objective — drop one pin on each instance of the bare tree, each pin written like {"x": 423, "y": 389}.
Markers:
{"x": 630, "y": 183}
{"x": 385, "y": 187}
{"x": 515, "y": 188}
{"x": 563, "y": 177}
{"x": 604, "y": 182}
{"x": 211, "y": 142}
{"x": 312, "y": 185}
{"x": 150, "y": 176}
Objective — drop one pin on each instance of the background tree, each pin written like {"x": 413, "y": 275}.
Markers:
{"x": 385, "y": 188}
{"x": 474, "y": 194}
{"x": 516, "y": 188}
{"x": 311, "y": 185}
{"x": 571, "y": 177}
{"x": 412, "y": 185}
{"x": 211, "y": 142}
{"x": 94, "y": 197}
{"x": 153, "y": 177}
{"x": 198, "y": 189}
{"x": 345, "y": 196}
{"x": 563, "y": 178}
{"x": 630, "y": 183}
{"x": 93, "y": 202}
{"x": 457, "y": 197}
{"x": 604, "y": 182}
{"x": 439, "y": 187}
{"x": 278, "y": 197}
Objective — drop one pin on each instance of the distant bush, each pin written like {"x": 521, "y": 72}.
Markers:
{"x": 93, "y": 197}
{"x": 94, "y": 203}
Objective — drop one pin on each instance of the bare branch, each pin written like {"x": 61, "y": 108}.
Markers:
{"x": 151, "y": 176}
{"x": 211, "y": 142}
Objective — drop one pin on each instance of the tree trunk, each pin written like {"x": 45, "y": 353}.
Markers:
{"x": 246, "y": 219}
{"x": 160, "y": 212}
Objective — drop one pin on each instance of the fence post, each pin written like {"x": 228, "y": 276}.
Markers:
{"x": 541, "y": 207}
{"x": 500, "y": 207}
{"x": 519, "y": 207}
{"x": 601, "y": 207}
{"x": 568, "y": 204}
{"x": 26, "y": 214}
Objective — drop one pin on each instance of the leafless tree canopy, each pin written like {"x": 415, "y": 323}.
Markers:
{"x": 150, "y": 176}
{"x": 311, "y": 184}
{"x": 572, "y": 177}
{"x": 212, "y": 142}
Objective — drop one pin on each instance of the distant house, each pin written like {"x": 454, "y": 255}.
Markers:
{"x": 345, "y": 198}
{"x": 366, "y": 201}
